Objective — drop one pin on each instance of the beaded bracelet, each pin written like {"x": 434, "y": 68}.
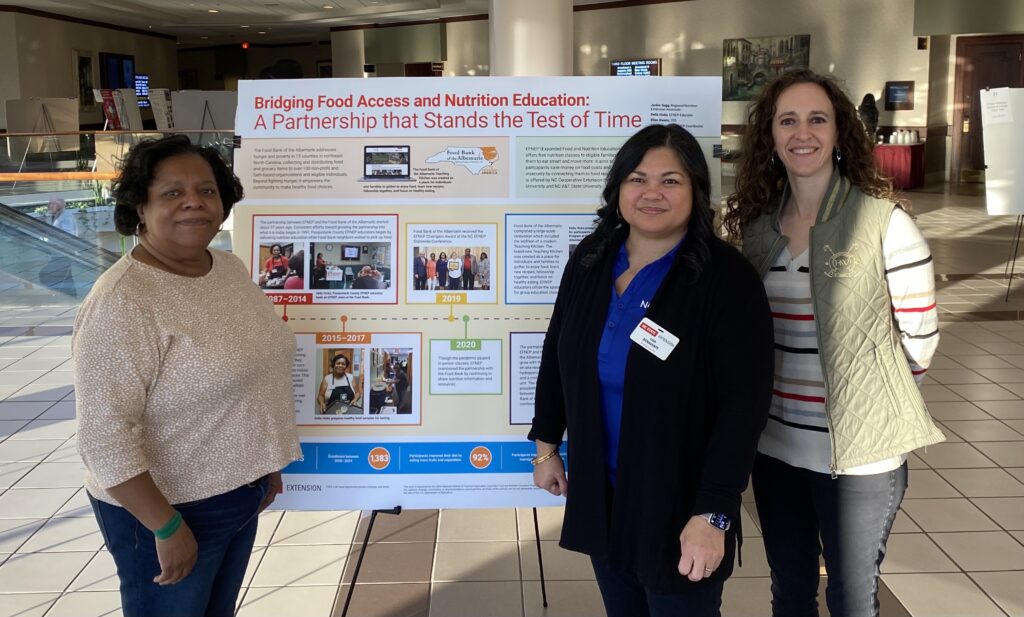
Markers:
{"x": 537, "y": 460}
{"x": 169, "y": 528}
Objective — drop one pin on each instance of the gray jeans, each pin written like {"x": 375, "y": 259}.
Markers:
{"x": 805, "y": 514}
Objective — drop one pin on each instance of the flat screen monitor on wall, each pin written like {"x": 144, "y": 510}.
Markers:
{"x": 350, "y": 253}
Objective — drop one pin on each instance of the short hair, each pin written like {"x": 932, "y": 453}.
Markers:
{"x": 341, "y": 356}
{"x": 761, "y": 177}
{"x": 700, "y": 228}
{"x": 138, "y": 170}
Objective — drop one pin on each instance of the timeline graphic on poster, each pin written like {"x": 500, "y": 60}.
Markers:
{"x": 413, "y": 234}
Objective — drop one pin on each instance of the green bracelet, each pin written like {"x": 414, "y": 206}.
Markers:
{"x": 169, "y": 528}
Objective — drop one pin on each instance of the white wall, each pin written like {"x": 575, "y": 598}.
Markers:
{"x": 44, "y": 56}
{"x": 864, "y": 42}
{"x": 468, "y": 48}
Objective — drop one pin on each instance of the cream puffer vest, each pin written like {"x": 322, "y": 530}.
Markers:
{"x": 873, "y": 405}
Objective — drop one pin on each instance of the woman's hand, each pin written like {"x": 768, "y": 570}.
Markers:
{"x": 274, "y": 488}
{"x": 550, "y": 476}
{"x": 177, "y": 555}
{"x": 702, "y": 547}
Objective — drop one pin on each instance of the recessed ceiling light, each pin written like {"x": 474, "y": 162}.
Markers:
{"x": 327, "y": 6}
{"x": 261, "y": 32}
{"x": 212, "y": 11}
{"x": 245, "y": 26}
{"x": 204, "y": 37}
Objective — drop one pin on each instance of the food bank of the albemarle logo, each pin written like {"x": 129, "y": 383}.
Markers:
{"x": 843, "y": 264}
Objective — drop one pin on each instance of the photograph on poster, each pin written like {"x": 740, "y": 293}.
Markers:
{"x": 340, "y": 376}
{"x": 386, "y": 163}
{"x": 453, "y": 268}
{"x": 446, "y": 258}
{"x": 537, "y": 248}
{"x": 748, "y": 64}
{"x": 350, "y": 265}
{"x": 391, "y": 385}
{"x": 282, "y": 266}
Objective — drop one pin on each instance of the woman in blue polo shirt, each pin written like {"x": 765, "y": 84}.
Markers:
{"x": 658, "y": 365}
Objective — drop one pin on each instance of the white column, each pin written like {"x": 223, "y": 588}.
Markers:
{"x": 347, "y": 53}
{"x": 531, "y": 37}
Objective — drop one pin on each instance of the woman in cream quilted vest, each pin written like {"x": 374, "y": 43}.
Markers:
{"x": 851, "y": 286}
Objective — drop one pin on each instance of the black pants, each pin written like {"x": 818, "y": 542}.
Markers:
{"x": 805, "y": 514}
{"x": 625, "y": 596}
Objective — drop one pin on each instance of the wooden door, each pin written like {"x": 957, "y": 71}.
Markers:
{"x": 982, "y": 62}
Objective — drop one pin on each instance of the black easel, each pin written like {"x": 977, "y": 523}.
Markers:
{"x": 540, "y": 559}
{"x": 208, "y": 113}
{"x": 1011, "y": 261}
{"x": 362, "y": 553}
{"x": 398, "y": 510}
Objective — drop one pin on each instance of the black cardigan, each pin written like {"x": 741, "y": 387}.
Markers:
{"x": 690, "y": 424}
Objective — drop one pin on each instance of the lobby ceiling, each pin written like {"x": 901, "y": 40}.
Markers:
{"x": 256, "y": 21}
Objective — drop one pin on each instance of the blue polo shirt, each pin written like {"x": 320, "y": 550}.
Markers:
{"x": 624, "y": 314}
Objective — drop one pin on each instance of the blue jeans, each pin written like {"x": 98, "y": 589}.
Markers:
{"x": 805, "y": 514}
{"x": 625, "y": 596}
{"x": 224, "y": 527}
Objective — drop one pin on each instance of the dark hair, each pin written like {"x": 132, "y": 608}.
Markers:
{"x": 297, "y": 263}
{"x": 341, "y": 356}
{"x": 131, "y": 189}
{"x": 761, "y": 177}
{"x": 700, "y": 229}
{"x": 483, "y": 254}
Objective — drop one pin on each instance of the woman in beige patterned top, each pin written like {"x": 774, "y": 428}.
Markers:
{"x": 184, "y": 390}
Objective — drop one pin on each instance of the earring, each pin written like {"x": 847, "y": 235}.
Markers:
{"x": 773, "y": 158}
{"x": 838, "y": 153}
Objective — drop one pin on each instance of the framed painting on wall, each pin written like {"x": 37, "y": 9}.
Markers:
{"x": 748, "y": 64}
{"x": 82, "y": 70}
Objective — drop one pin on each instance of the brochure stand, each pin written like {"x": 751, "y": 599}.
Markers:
{"x": 397, "y": 510}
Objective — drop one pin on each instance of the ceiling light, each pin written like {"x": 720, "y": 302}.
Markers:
{"x": 212, "y": 11}
{"x": 245, "y": 26}
{"x": 204, "y": 37}
{"x": 261, "y": 32}
{"x": 327, "y": 6}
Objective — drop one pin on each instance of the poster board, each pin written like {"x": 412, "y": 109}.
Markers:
{"x": 42, "y": 115}
{"x": 1002, "y": 118}
{"x": 127, "y": 104}
{"x": 160, "y": 100}
{"x": 362, "y": 176}
{"x": 206, "y": 110}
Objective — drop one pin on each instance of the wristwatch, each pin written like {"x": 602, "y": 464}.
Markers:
{"x": 717, "y": 520}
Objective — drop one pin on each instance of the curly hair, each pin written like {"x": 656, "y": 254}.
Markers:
{"x": 138, "y": 170}
{"x": 762, "y": 177}
{"x": 700, "y": 228}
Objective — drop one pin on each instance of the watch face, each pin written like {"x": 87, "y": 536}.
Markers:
{"x": 719, "y": 520}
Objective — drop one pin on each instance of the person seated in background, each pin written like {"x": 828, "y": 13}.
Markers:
{"x": 368, "y": 278}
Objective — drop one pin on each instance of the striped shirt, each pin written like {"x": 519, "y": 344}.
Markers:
{"x": 797, "y": 430}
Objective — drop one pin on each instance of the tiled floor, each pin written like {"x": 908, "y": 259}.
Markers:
{"x": 957, "y": 549}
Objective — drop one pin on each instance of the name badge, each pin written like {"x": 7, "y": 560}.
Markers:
{"x": 654, "y": 338}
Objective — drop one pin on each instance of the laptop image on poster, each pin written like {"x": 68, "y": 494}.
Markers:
{"x": 386, "y": 163}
